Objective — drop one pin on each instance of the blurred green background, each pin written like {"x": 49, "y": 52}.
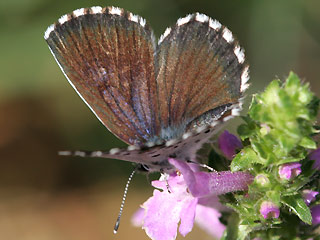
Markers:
{"x": 44, "y": 196}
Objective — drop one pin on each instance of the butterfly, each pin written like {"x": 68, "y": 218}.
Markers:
{"x": 164, "y": 99}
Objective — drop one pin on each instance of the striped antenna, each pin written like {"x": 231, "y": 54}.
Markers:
{"x": 116, "y": 226}
{"x": 202, "y": 165}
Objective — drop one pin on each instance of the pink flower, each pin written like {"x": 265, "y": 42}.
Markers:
{"x": 315, "y": 155}
{"x": 269, "y": 210}
{"x": 228, "y": 144}
{"x": 192, "y": 197}
{"x": 309, "y": 195}
{"x": 289, "y": 171}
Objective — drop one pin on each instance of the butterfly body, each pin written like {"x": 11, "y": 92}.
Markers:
{"x": 164, "y": 99}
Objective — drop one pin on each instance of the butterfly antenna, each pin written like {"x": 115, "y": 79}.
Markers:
{"x": 203, "y": 165}
{"x": 116, "y": 226}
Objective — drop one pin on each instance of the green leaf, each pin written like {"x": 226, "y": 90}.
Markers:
{"x": 298, "y": 206}
{"x": 231, "y": 233}
{"x": 236, "y": 231}
{"x": 245, "y": 131}
{"x": 288, "y": 160}
{"x": 314, "y": 107}
{"x": 273, "y": 195}
{"x": 271, "y": 94}
{"x": 292, "y": 83}
{"x": 308, "y": 142}
{"x": 262, "y": 147}
{"x": 244, "y": 159}
{"x": 244, "y": 231}
{"x": 217, "y": 162}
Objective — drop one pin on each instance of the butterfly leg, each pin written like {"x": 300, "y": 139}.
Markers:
{"x": 165, "y": 176}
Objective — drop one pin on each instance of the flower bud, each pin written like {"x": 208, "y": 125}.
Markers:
{"x": 289, "y": 171}
{"x": 262, "y": 180}
{"x": 228, "y": 144}
{"x": 315, "y": 155}
{"x": 309, "y": 195}
{"x": 269, "y": 210}
{"x": 265, "y": 129}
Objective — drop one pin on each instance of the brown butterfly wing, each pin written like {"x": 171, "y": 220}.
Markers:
{"x": 200, "y": 68}
{"x": 108, "y": 57}
{"x": 171, "y": 94}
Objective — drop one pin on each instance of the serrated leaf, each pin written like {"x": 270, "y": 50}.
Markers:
{"x": 288, "y": 160}
{"x": 314, "y": 106}
{"x": 308, "y": 142}
{"x": 292, "y": 83}
{"x": 244, "y": 231}
{"x": 266, "y": 155}
{"x": 235, "y": 231}
{"x": 244, "y": 159}
{"x": 271, "y": 94}
{"x": 274, "y": 195}
{"x": 298, "y": 206}
{"x": 245, "y": 131}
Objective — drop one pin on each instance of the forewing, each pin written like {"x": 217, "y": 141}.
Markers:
{"x": 107, "y": 56}
{"x": 200, "y": 68}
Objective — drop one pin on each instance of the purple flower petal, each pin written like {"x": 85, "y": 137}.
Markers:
{"x": 315, "y": 155}
{"x": 137, "y": 218}
{"x": 213, "y": 201}
{"x": 187, "y": 217}
{"x": 229, "y": 143}
{"x": 175, "y": 183}
{"x": 164, "y": 210}
{"x": 309, "y": 195}
{"x": 158, "y": 224}
{"x": 202, "y": 184}
{"x": 289, "y": 171}
{"x": 315, "y": 212}
{"x": 269, "y": 210}
{"x": 208, "y": 219}
{"x": 189, "y": 191}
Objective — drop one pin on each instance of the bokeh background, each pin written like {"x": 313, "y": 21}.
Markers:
{"x": 44, "y": 196}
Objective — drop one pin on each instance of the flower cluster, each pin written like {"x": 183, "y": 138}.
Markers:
{"x": 272, "y": 178}
{"x": 185, "y": 197}
{"x": 277, "y": 139}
